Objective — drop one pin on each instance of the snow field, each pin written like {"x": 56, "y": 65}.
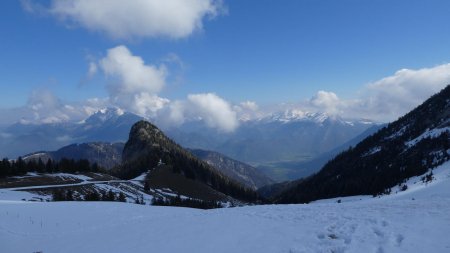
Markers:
{"x": 375, "y": 226}
{"x": 417, "y": 220}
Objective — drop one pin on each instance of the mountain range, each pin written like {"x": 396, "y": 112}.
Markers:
{"x": 376, "y": 162}
{"x": 108, "y": 125}
{"x": 411, "y": 146}
{"x": 271, "y": 143}
{"x": 278, "y": 137}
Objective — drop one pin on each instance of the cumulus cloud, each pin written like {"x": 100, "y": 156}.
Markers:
{"x": 136, "y": 18}
{"x": 386, "y": 99}
{"x": 215, "y": 111}
{"x": 130, "y": 72}
{"x": 43, "y": 107}
{"x": 395, "y": 95}
{"x": 327, "y": 102}
{"x": 144, "y": 104}
{"x": 133, "y": 84}
{"x": 209, "y": 108}
{"x": 248, "y": 110}
{"x": 249, "y": 105}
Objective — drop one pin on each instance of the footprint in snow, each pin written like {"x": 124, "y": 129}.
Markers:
{"x": 378, "y": 232}
{"x": 399, "y": 239}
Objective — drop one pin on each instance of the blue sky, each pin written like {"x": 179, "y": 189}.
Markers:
{"x": 264, "y": 51}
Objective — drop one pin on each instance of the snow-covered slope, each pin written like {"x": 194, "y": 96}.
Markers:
{"x": 413, "y": 221}
{"x": 405, "y": 148}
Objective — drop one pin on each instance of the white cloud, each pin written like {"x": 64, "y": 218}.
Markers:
{"x": 247, "y": 110}
{"x": 135, "y": 18}
{"x": 386, "y": 99}
{"x": 249, "y": 105}
{"x": 44, "y": 107}
{"x": 133, "y": 85}
{"x": 327, "y": 102}
{"x": 147, "y": 104}
{"x": 214, "y": 111}
{"x": 130, "y": 72}
{"x": 209, "y": 108}
{"x": 395, "y": 95}
{"x": 176, "y": 113}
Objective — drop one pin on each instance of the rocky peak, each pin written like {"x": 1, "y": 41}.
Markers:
{"x": 145, "y": 131}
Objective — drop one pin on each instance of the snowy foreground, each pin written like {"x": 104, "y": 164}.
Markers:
{"x": 417, "y": 220}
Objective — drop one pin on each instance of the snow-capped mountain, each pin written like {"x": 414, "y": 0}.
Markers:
{"x": 295, "y": 115}
{"x": 107, "y": 125}
{"x": 291, "y": 135}
{"x": 411, "y": 146}
{"x": 298, "y": 115}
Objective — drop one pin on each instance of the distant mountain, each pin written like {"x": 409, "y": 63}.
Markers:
{"x": 108, "y": 125}
{"x": 173, "y": 167}
{"x": 270, "y": 143}
{"x": 109, "y": 155}
{"x": 274, "y": 142}
{"x": 287, "y": 136}
{"x": 106, "y": 155}
{"x": 408, "y": 147}
{"x": 239, "y": 171}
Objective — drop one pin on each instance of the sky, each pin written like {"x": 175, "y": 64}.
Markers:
{"x": 220, "y": 61}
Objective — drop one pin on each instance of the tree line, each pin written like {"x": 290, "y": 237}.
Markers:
{"x": 21, "y": 167}
{"x": 70, "y": 195}
{"x": 186, "y": 202}
{"x": 361, "y": 171}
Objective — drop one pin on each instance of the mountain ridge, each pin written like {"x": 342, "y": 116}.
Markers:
{"x": 239, "y": 171}
{"x": 149, "y": 149}
{"x": 407, "y": 147}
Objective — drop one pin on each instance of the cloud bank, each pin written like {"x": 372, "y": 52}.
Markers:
{"x": 134, "y": 19}
{"x": 134, "y": 86}
{"x": 395, "y": 95}
{"x": 44, "y": 107}
{"x": 386, "y": 99}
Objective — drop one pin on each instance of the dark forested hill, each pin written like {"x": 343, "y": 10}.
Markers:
{"x": 106, "y": 155}
{"x": 239, "y": 171}
{"x": 408, "y": 147}
{"x": 147, "y": 148}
